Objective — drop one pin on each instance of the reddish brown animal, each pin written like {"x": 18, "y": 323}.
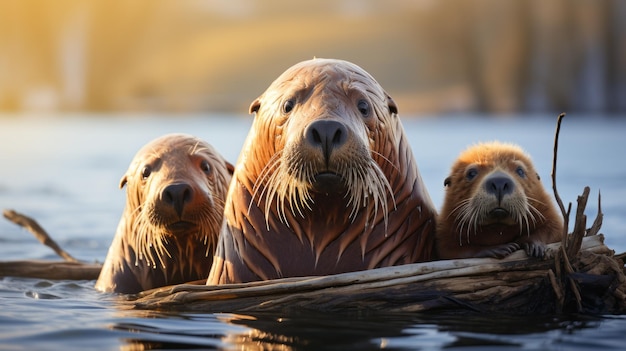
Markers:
{"x": 176, "y": 187}
{"x": 326, "y": 182}
{"x": 495, "y": 204}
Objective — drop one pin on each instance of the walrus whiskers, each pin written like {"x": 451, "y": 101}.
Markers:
{"x": 363, "y": 181}
{"x": 471, "y": 217}
{"x": 206, "y": 224}
{"x": 368, "y": 180}
{"x": 153, "y": 242}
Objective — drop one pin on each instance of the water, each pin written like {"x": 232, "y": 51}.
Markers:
{"x": 65, "y": 171}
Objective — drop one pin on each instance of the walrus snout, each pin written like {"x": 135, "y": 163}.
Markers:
{"x": 327, "y": 135}
{"x": 177, "y": 195}
{"x": 499, "y": 184}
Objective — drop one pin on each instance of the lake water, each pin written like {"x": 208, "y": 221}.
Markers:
{"x": 65, "y": 171}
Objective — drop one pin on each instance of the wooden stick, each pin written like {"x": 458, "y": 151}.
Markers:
{"x": 32, "y": 226}
{"x": 556, "y": 193}
{"x": 597, "y": 223}
{"x": 580, "y": 225}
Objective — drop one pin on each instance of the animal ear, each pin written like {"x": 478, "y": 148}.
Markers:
{"x": 447, "y": 181}
{"x": 123, "y": 181}
{"x": 255, "y": 105}
{"x": 393, "y": 108}
{"x": 230, "y": 167}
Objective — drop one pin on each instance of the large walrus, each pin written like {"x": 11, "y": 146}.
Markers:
{"x": 494, "y": 205}
{"x": 326, "y": 182}
{"x": 176, "y": 187}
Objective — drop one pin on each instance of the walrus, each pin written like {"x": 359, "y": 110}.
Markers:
{"x": 176, "y": 187}
{"x": 495, "y": 204}
{"x": 325, "y": 183}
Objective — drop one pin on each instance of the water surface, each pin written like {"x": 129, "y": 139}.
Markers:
{"x": 65, "y": 171}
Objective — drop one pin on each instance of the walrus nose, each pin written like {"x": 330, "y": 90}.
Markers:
{"x": 326, "y": 134}
{"x": 177, "y": 196}
{"x": 499, "y": 185}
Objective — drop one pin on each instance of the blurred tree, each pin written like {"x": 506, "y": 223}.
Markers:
{"x": 218, "y": 55}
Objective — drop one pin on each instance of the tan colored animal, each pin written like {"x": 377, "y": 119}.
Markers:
{"x": 494, "y": 205}
{"x": 326, "y": 182}
{"x": 176, "y": 187}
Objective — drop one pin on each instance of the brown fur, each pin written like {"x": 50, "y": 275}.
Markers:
{"x": 524, "y": 217}
{"x": 326, "y": 182}
{"x": 176, "y": 187}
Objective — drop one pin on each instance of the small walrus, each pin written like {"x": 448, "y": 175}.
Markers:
{"x": 326, "y": 182}
{"x": 176, "y": 187}
{"x": 494, "y": 205}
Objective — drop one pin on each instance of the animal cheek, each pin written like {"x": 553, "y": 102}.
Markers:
{"x": 481, "y": 198}
{"x": 520, "y": 189}
{"x": 207, "y": 192}
{"x": 523, "y": 187}
{"x": 152, "y": 188}
{"x": 206, "y": 186}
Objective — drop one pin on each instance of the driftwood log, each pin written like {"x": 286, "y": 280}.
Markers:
{"x": 515, "y": 285}
{"x": 580, "y": 274}
{"x": 56, "y": 270}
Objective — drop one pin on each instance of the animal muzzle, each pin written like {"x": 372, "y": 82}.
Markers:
{"x": 499, "y": 184}
{"x": 178, "y": 195}
{"x": 326, "y": 135}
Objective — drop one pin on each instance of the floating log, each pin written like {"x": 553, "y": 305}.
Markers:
{"x": 515, "y": 285}
{"x": 55, "y": 270}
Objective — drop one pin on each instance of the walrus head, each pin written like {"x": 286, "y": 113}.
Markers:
{"x": 321, "y": 125}
{"x": 494, "y": 185}
{"x": 176, "y": 187}
{"x": 326, "y": 182}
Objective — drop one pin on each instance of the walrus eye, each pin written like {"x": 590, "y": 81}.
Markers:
{"x": 471, "y": 174}
{"x": 205, "y": 167}
{"x": 288, "y": 105}
{"x": 363, "y": 107}
{"x": 145, "y": 172}
{"x": 520, "y": 172}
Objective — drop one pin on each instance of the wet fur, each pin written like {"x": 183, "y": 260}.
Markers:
{"x": 280, "y": 223}
{"x": 148, "y": 251}
{"x": 466, "y": 227}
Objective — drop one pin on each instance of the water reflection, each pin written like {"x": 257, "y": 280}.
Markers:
{"x": 311, "y": 330}
{"x": 308, "y": 330}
